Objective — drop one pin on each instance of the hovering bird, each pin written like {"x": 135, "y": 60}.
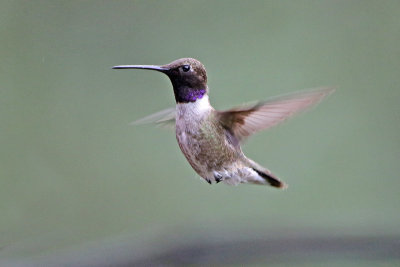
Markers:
{"x": 210, "y": 139}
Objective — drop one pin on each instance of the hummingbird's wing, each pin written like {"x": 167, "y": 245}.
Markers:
{"x": 164, "y": 117}
{"x": 245, "y": 121}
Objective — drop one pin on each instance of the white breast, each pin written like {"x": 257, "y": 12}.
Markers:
{"x": 193, "y": 110}
{"x": 189, "y": 118}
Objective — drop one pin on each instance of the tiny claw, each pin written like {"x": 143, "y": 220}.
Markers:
{"x": 218, "y": 178}
{"x": 208, "y": 181}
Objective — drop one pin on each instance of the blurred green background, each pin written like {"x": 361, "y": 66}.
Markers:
{"x": 73, "y": 172}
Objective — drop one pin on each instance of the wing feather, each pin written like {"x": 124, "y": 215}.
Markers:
{"x": 245, "y": 121}
{"x": 164, "y": 117}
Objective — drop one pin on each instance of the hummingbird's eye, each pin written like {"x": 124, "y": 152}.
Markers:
{"x": 186, "y": 68}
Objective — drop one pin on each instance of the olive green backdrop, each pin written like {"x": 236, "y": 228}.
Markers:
{"x": 73, "y": 173}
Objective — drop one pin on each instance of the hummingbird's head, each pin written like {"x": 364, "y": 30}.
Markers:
{"x": 188, "y": 77}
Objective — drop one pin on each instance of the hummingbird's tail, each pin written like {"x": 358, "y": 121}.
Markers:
{"x": 272, "y": 180}
{"x": 267, "y": 175}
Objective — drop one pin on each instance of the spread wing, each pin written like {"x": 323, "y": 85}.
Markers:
{"x": 245, "y": 121}
{"x": 164, "y": 117}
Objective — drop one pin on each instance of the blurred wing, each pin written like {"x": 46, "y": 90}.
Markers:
{"x": 164, "y": 117}
{"x": 245, "y": 121}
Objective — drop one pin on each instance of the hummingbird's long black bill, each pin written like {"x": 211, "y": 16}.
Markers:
{"x": 142, "y": 67}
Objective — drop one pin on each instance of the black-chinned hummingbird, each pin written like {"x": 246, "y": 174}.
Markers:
{"x": 210, "y": 139}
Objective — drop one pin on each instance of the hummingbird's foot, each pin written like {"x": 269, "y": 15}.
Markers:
{"x": 217, "y": 177}
{"x": 208, "y": 181}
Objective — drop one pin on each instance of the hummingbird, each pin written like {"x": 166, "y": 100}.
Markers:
{"x": 210, "y": 139}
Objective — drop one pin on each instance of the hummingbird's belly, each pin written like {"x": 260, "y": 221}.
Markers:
{"x": 206, "y": 150}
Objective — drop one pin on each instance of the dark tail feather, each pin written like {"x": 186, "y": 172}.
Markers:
{"x": 272, "y": 180}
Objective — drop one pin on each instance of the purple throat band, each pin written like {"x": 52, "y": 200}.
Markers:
{"x": 192, "y": 96}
